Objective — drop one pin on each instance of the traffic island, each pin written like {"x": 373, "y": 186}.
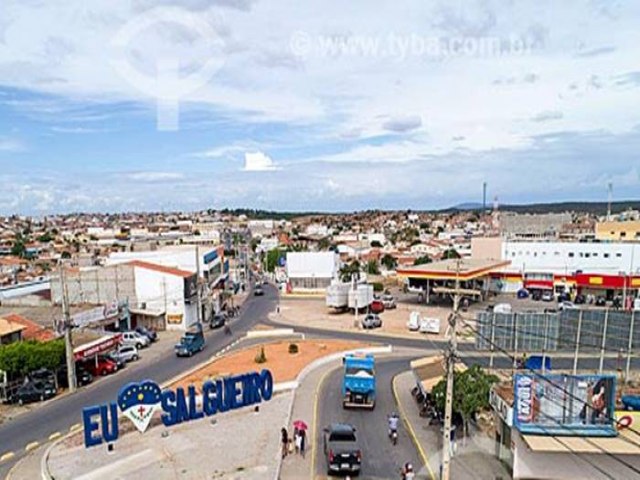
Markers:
{"x": 238, "y": 444}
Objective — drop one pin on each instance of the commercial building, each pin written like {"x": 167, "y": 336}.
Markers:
{"x": 533, "y": 443}
{"x": 606, "y": 269}
{"x": 618, "y": 231}
{"x": 311, "y": 271}
{"x": 530, "y": 226}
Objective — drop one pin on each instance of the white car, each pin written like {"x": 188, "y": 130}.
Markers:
{"x": 127, "y": 353}
{"x": 414, "y": 322}
{"x": 389, "y": 302}
{"x": 135, "y": 339}
{"x": 567, "y": 306}
{"x": 430, "y": 325}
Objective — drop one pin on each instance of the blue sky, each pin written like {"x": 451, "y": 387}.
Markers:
{"x": 323, "y": 105}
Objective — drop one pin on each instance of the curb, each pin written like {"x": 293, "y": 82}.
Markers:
{"x": 409, "y": 428}
{"x": 280, "y": 332}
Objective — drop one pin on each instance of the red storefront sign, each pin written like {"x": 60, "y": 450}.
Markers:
{"x": 96, "y": 347}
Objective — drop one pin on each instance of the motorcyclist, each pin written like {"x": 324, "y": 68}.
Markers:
{"x": 407, "y": 472}
{"x": 393, "y": 423}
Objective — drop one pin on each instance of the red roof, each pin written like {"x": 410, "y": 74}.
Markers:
{"x": 32, "y": 330}
{"x": 161, "y": 268}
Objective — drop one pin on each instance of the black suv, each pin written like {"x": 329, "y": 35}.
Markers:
{"x": 217, "y": 321}
{"x": 82, "y": 376}
{"x": 33, "y": 392}
{"x": 341, "y": 449}
{"x": 44, "y": 376}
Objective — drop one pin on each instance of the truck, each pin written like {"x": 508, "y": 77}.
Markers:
{"x": 192, "y": 341}
{"x": 361, "y": 296}
{"x": 359, "y": 381}
{"x": 338, "y": 295}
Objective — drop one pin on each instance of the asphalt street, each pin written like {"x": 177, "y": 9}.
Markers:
{"x": 59, "y": 415}
{"x": 380, "y": 459}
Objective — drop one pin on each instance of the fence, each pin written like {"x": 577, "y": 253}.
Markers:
{"x": 574, "y": 330}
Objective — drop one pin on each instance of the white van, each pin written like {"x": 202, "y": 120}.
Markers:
{"x": 502, "y": 308}
{"x": 135, "y": 339}
{"x": 414, "y": 321}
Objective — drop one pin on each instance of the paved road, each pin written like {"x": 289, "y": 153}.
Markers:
{"x": 59, "y": 415}
{"x": 380, "y": 458}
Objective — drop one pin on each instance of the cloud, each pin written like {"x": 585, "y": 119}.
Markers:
{"x": 153, "y": 177}
{"x": 594, "y": 52}
{"x": 403, "y": 124}
{"x": 11, "y": 145}
{"x": 630, "y": 78}
{"x": 258, "y": 162}
{"x": 547, "y": 116}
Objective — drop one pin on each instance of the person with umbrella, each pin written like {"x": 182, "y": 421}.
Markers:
{"x": 301, "y": 439}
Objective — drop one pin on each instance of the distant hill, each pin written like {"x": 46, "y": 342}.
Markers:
{"x": 595, "y": 208}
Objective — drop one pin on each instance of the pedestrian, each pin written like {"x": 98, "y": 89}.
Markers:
{"x": 296, "y": 439}
{"x": 285, "y": 441}
{"x": 303, "y": 441}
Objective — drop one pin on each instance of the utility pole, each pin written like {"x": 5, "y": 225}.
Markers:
{"x": 450, "y": 358}
{"x": 68, "y": 345}
{"x": 198, "y": 285}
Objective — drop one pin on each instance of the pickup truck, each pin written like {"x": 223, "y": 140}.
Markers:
{"x": 192, "y": 341}
{"x": 359, "y": 382}
{"x": 342, "y": 449}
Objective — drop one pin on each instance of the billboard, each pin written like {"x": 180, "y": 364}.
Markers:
{"x": 564, "y": 404}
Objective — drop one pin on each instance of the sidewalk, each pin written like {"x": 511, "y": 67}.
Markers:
{"x": 474, "y": 461}
{"x": 295, "y": 467}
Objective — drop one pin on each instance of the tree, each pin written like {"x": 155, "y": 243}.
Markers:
{"x": 45, "y": 237}
{"x": 20, "y": 358}
{"x": 422, "y": 260}
{"x": 372, "y": 267}
{"x": 376, "y": 244}
{"x": 273, "y": 258}
{"x": 324, "y": 244}
{"x": 389, "y": 262}
{"x": 470, "y": 393}
{"x": 450, "y": 254}
{"x": 348, "y": 270}
{"x": 18, "y": 248}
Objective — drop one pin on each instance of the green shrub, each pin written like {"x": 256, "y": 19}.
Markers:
{"x": 261, "y": 357}
{"x": 377, "y": 287}
{"x": 21, "y": 358}
{"x": 293, "y": 348}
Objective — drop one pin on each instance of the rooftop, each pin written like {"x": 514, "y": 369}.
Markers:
{"x": 464, "y": 268}
{"x": 161, "y": 268}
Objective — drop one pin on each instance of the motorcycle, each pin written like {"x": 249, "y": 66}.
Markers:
{"x": 393, "y": 436}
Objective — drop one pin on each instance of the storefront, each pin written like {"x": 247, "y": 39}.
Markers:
{"x": 501, "y": 400}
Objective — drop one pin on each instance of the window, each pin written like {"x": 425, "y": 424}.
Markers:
{"x": 571, "y": 255}
{"x": 618, "y": 255}
{"x": 556, "y": 254}
{"x": 587, "y": 255}
{"x": 595, "y": 254}
{"x": 623, "y": 234}
{"x": 606, "y": 255}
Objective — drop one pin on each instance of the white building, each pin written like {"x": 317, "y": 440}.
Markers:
{"x": 311, "y": 271}
{"x": 372, "y": 237}
{"x": 165, "y": 290}
{"x": 267, "y": 243}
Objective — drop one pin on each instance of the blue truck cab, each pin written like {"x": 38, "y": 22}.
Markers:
{"x": 359, "y": 381}
{"x": 192, "y": 341}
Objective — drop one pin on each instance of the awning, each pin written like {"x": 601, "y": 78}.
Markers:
{"x": 623, "y": 444}
{"x": 101, "y": 345}
{"x": 149, "y": 312}
{"x": 428, "y": 371}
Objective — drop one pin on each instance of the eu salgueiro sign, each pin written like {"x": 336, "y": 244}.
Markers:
{"x": 139, "y": 402}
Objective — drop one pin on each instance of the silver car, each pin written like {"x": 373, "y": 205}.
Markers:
{"x": 389, "y": 302}
{"x": 371, "y": 320}
{"x": 127, "y": 353}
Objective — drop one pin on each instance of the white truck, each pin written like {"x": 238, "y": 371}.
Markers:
{"x": 361, "y": 296}
{"x": 338, "y": 295}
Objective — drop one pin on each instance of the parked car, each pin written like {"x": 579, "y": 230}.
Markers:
{"x": 502, "y": 308}
{"x": 567, "y": 306}
{"x": 258, "y": 292}
{"x": 371, "y": 320}
{"x": 127, "y": 353}
{"x": 83, "y": 377}
{"x": 536, "y": 296}
{"x": 601, "y": 301}
{"x": 217, "y": 321}
{"x": 103, "y": 366}
{"x": 33, "y": 392}
{"x": 564, "y": 297}
{"x": 114, "y": 357}
{"x": 414, "y": 321}
{"x": 136, "y": 339}
{"x": 523, "y": 293}
{"x": 547, "y": 296}
{"x": 429, "y": 325}
{"x": 389, "y": 302}
{"x": 376, "y": 306}
{"x": 44, "y": 376}
{"x": 580, "y": 300}
{"x": 342, "y": 449}
{"x": 150, "y": 334}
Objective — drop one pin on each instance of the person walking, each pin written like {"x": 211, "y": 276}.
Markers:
{"x": 303, "y": 441}
{"x": 285, "y": 441}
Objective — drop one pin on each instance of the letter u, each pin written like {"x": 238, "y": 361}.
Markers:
{"x": 109, "y": 428}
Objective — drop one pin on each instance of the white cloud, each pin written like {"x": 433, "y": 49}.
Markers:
{"x": 258, "y": 162}
{"x": 11, "y": 145}
{"x": 153, "y": 177}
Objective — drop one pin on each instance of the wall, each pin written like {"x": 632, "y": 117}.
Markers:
{"x": 97, "y": 285}
{"x": 312, "y": 264}
{"x": 486, "y": 248}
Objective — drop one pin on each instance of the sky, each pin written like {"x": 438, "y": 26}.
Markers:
{"x": 326, "y": 105}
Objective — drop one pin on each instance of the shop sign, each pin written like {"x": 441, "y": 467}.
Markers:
{"x": 140, "y": 401}
{"x": 174, "y": 318}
